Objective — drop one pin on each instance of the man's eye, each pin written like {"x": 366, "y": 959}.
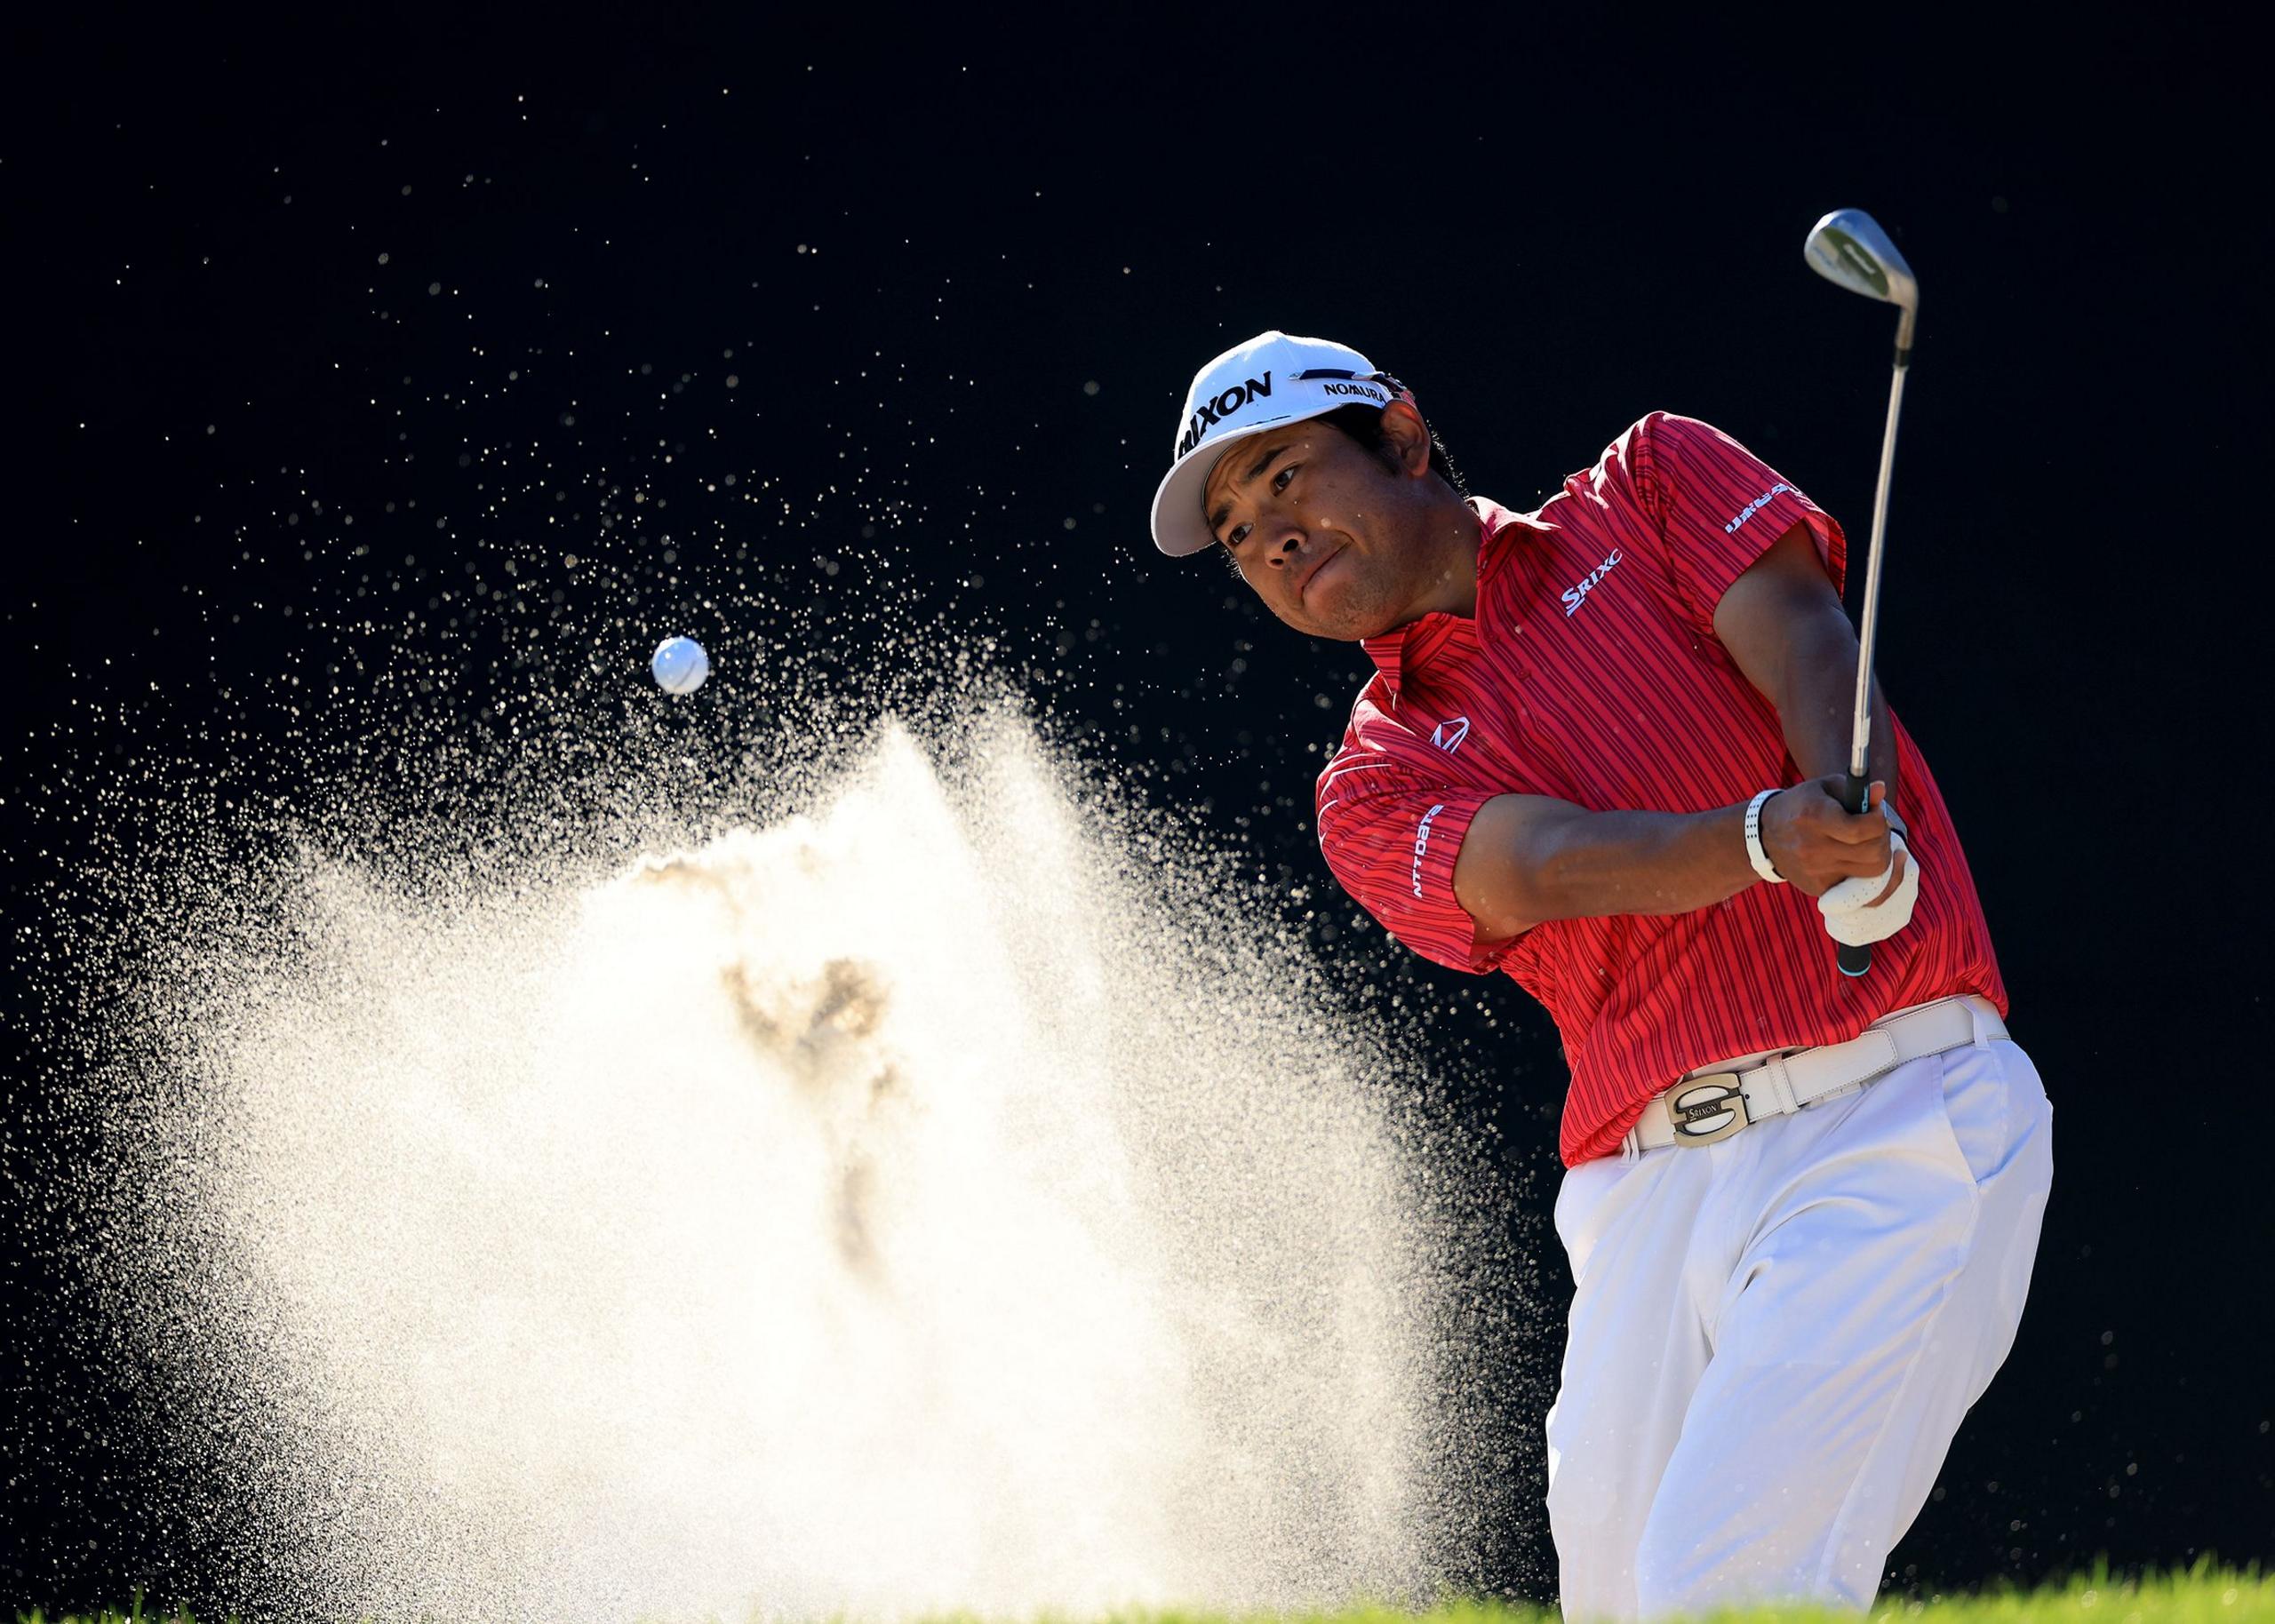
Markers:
{"x": 1280, "y": 480}
{"x": 1236, "y": 535}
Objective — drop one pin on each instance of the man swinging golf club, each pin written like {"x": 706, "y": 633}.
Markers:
{"x": 1603, "y": 752}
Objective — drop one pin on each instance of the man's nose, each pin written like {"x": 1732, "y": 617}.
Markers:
{"x": 1291, "y": 543}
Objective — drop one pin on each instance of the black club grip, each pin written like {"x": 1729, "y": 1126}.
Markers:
{"x": 1856, "y": 795}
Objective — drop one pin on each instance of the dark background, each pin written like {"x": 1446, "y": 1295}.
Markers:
{"x": 966, "y": 271}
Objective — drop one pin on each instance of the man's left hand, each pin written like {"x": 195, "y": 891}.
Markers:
{"x": 1862, "y": 910}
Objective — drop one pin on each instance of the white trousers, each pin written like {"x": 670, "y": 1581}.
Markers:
{"x": 1772, "y": 1338}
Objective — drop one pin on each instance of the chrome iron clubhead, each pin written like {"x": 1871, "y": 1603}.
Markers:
{"x": 1849, "y": 247}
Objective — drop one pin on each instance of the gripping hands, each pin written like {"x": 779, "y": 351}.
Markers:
{"x": 1858, "y": 912}
{"x": 1856, "y": 865}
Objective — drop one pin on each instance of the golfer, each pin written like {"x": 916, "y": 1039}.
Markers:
{"x": 1600, "y": 753}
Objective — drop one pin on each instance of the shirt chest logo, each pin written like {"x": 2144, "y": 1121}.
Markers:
{"x": 1575, "y": 596}
{"x": 1450, "y": 733}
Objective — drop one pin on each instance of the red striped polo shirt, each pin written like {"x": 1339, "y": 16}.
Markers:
{"x": 1590, "y": 673}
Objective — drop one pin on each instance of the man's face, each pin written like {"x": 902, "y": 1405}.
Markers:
{"x": 1315, "y": 520}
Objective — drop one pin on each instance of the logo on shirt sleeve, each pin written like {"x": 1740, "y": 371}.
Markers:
{"x": 1754, "y": 507}
{"x": 1450, "y": 733}
{"x": 1422, "y": 844}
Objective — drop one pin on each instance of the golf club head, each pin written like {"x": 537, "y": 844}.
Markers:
{"x": 1849, "y": 247}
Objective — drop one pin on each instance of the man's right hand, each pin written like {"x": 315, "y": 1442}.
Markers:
{"x": 1815, "y": 843}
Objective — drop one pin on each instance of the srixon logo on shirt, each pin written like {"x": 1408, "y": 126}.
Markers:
{"x": 1212, "y": 412}
{"x": 1575, "y": 596}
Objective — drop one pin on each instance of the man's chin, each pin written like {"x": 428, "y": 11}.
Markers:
{"x": 1335, "y": 619}
{"x": 1348, "y": 633}
{"x": 1359, "y": 623}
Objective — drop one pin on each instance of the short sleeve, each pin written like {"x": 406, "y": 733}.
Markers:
{"x": 1391, "y": 836}
{"x": 1716, "y": 507}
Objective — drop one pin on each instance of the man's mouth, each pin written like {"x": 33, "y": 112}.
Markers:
{"x": 1304, "y": 587}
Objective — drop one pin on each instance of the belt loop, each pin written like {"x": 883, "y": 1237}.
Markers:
{"x": 1982, "y": 1027}
{"x": 1777, "y": 1080}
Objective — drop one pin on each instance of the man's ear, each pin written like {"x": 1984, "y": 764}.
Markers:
{"x": 1408, "y": 436}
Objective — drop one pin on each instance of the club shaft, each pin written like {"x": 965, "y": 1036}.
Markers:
{"x": 1860, "y": 748}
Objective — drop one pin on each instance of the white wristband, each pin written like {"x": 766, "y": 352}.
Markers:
{"x": 1754, "y": 854}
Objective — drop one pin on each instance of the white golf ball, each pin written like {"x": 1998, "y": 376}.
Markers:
{"x": 680, "y": 665}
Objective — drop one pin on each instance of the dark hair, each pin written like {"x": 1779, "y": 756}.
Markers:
{"x": 1364, "y": 423}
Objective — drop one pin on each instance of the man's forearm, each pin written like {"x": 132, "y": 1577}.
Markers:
{"x": 1528, "y": 859}
{"x": 1783, "y": 624}
{"x": 1818, "y": 709}
{"x": 1600, "y": 863}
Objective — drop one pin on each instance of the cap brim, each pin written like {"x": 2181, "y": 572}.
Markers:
{"x": 1180, "y": 529}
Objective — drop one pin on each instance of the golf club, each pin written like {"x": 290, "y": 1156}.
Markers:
{"x": 1849, "y": 247}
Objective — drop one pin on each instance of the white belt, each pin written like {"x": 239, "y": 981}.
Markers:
{"x": 1715, "y": 1102}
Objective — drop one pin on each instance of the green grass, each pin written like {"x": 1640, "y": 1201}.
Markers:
{"x": 2202, "y": 1595}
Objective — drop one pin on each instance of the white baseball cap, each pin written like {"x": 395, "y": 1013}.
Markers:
{"x": 1272, "y": 379}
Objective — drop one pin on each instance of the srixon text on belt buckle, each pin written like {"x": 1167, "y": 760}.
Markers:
{"x": 1718, "y": 1097}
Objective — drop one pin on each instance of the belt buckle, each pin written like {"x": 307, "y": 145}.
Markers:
{"x": 1718, "y": 1094}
